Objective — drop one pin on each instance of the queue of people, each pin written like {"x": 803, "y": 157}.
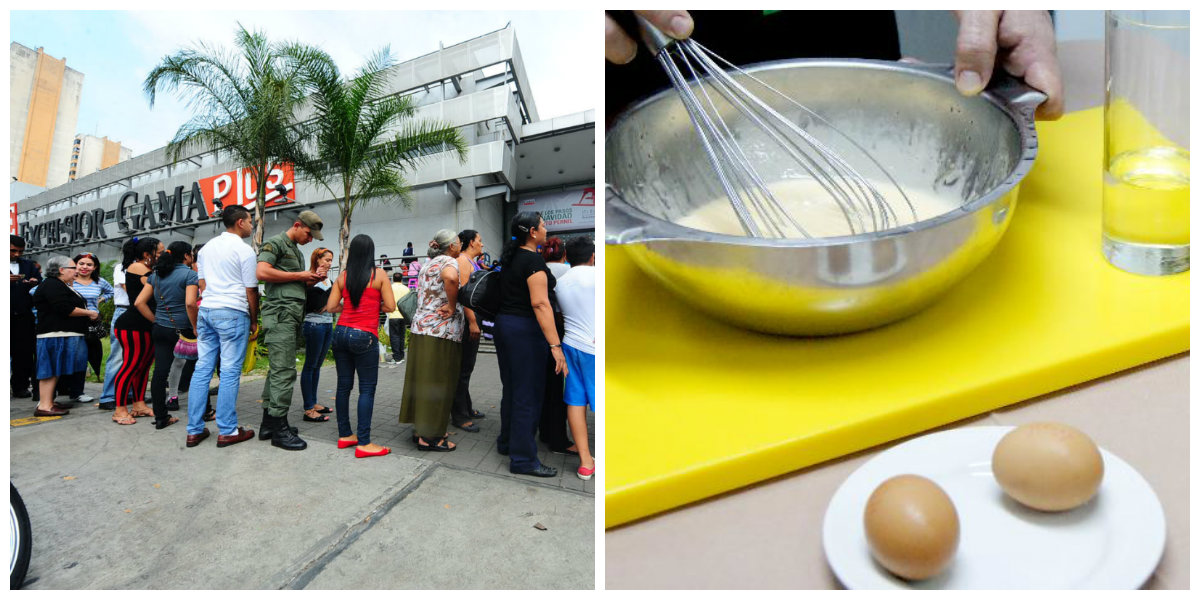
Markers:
{"x": 177, "y": 305}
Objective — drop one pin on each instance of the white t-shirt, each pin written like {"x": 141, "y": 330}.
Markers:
{"x": 120, "y": 296}
{"x": 576, "y": 291}
{"x": 227, "y": 266}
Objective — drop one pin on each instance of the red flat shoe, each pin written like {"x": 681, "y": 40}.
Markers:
{"x": 347, "y": 443}
{"x": 585, "y": 473}
{"x": 360, "y": 453}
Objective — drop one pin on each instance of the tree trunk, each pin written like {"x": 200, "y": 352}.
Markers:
{"x": 344, "y": 238}
{"x": 260, "y": 208}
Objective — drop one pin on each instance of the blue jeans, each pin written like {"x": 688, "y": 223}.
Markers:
{"x": 115, "y": 355}
{"x": 222, "y": 331}
{"x": 355, "y": 350}
{"x": 317, "y": 339}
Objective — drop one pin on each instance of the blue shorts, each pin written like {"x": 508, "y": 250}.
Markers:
{"x": 581, "y": 378}
{"x": 58, "y": 356}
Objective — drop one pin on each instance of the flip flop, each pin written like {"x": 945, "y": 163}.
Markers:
{"x": 477, "y": 415}
{"x": 142, "y": 414}
{"x": 325, "y": 410}
{"x": 168, "y": 423}
{"x": 125, "y": 421}
{"x": 210, "y": 414}
{"x": 320, "y": 419}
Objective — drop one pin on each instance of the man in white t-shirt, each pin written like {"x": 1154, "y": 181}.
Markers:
{"x": 576, "y": 292}
{"x": 225, "y": 322}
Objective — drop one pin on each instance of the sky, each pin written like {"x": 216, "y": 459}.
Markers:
{"x": 115, "y": 50}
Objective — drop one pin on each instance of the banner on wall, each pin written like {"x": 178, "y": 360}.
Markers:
{"x": 564, "y": 211}
{"x": 241, "y": 188}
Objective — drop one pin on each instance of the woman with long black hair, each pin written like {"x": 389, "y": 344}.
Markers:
{"x": 133, "y": 332}
{"x": 359, "y": 293}
{"x": 174, "y": 288}
{"x": 526, "y": 338}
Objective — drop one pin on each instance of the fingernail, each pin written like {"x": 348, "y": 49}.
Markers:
{"x": 969, "y": 83}
{"x": 681, "y": 27}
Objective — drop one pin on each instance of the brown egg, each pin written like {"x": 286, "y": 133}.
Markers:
{"x": 1048, "y": 466}
{"x": 911, "y": 526}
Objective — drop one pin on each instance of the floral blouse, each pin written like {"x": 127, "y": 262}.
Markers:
{"x": 431, "y": 294}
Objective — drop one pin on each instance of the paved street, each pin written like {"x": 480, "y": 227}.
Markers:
{"x": 132, "y": 508}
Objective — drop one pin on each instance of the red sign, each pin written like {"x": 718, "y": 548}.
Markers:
{"x": 240, "y": 187}
{"x": 12, "y": 217}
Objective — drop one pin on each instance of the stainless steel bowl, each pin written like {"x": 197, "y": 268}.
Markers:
{"x": 909, "y": 117}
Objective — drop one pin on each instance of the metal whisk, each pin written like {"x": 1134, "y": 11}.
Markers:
{"x": 759, "y": 212}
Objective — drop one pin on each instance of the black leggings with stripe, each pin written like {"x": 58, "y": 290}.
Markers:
{"x": 135, "y": 365}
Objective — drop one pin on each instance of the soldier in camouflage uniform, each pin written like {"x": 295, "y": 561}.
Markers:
{"x": 282, "y": 266}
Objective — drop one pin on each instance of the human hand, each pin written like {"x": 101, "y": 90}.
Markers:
{"x": 619, "y": 48}
{"x": 560, "y": 361}
{"x": 311, "y": 277}
{"x": 1020, "y": 41}
{"x": 14, "y": 277}
{"x": 94, "y": 315}
{"x": 445, "y": 311}
{"x": 475, "y": 331}
{"x": 253, "y": 331}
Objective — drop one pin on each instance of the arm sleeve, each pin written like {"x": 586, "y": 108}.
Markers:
{"x": 106, "y": 290}
{"x": 192, "y": 279}
{"x": 249, "y": 270}
{"x": 269, "y": 254}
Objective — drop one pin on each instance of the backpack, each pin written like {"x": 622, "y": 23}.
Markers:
{"x": 482, "y": 293}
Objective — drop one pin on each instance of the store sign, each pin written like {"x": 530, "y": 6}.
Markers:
{"x": 12, "y": 217}
{"x": 564, "y": 211}
{"x": 141, "y": 212}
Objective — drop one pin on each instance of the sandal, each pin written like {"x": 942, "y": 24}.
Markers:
{"x": 210, "y": 414}
{"x": 442, "y": 445}
{"x": 477, "y": 415}
{"x": 125, "y": 421}
{"x": 317, "y": 419}
{"x": 323, "y": 410}
{"x": 142, "y": 414}
{"x": 165, "y": 424}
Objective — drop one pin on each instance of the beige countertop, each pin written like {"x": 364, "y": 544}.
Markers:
{"x": 769, "y": 535}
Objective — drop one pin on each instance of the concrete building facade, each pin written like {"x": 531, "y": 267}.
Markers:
{"x": 43, "y": 113}
{"x": 478, "y": 86}
{"x": 90, "y": 154}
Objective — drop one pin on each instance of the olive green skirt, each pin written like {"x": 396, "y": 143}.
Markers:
{"x": 430, "y": 380}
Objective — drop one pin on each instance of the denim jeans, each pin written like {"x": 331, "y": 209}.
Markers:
{"x": 355, "y": 351}
{"x": 317, "y": 339}
{"x": 115, "y": 354}
{"x": 224, "y": 332}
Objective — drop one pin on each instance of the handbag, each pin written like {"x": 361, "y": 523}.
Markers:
{"x": 408, "y": 306}
{"x": 481, "y": 293}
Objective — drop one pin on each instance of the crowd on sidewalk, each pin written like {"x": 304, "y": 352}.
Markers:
{"x": 192, "y": 313}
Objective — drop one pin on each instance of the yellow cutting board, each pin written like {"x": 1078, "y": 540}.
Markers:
{"x": 695, "y": 407}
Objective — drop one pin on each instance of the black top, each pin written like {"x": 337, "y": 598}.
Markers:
{"x": 318, "y": 298}
{"x": 514, "y": 284}
{"x": 132, "y": 319}
{"x": 750, "y": 36}
{"x": 18, "y": 291}
{"x": 54, "y": 300}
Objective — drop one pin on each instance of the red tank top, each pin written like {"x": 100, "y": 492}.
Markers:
{"x": 365, "y": 316}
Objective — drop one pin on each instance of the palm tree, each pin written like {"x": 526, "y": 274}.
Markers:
{"x": 361, "y": 159}
{"x": 243, "y": 102}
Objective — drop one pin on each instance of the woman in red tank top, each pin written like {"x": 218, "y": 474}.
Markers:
{"x": 359, "y": 294}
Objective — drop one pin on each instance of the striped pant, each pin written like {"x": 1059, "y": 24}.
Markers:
{"x": 135, "y": 365}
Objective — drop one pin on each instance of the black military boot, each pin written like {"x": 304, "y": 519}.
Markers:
{"x": 285, "y": 436}
{"x": 270, "y": 425}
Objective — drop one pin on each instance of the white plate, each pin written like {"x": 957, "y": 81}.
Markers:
{"x": 1113, "y": 542}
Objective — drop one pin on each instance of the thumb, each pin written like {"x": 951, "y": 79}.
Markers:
{"x": 975, "y": 49}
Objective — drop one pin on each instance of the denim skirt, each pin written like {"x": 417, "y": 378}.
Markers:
{"x": 57, "y": 356}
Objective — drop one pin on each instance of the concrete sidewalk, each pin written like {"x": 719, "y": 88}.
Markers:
{"x": 131, "y": 508}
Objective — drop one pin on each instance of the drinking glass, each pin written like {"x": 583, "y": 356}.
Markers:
{"x": 1146, "y": 147}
